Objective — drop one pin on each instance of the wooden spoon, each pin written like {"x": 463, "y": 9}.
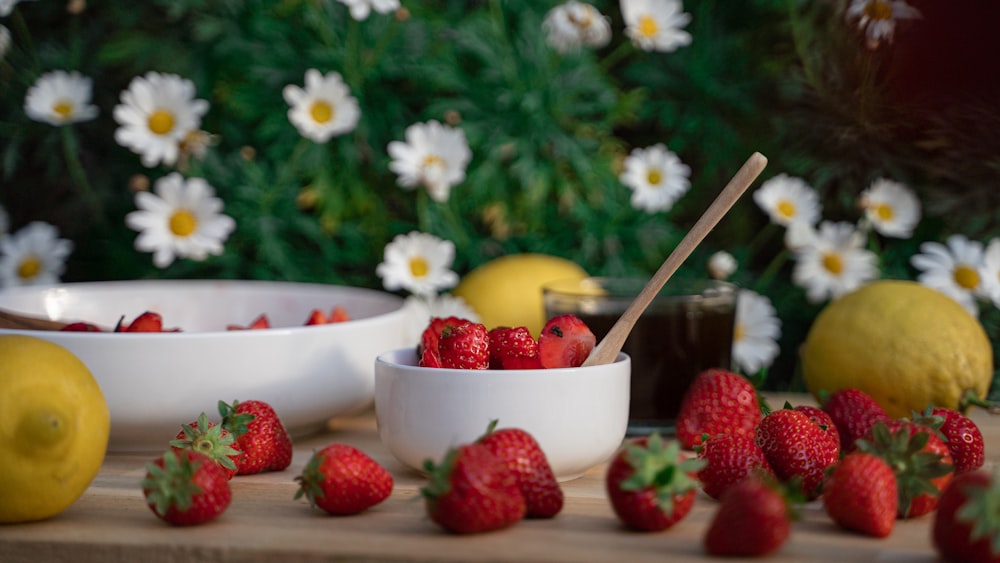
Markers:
{"x": 608, "y": 348}
{"x": 17, "y": 321}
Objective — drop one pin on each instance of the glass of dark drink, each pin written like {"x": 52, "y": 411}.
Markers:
{"x": 687, "y": 328}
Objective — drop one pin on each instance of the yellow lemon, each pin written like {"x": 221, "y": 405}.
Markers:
{"x": 507, "y": 291}
{"x": 54, "y": 427}
{"x": 905, "y": 344}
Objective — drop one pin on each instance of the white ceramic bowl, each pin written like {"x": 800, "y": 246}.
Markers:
{"x": 155, "y": 382}
{"x": 577, "y": 415}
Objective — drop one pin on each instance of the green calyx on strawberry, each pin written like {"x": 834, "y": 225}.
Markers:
{"x": 650, "y": 484}
{"x": 961, "y": 435}
{"x": 260, "y": 435}
{"x": 184, "y": 487}
{"x": 918, "y": 458}
{"x": 210, "y": 439}
{"x": 967, "y": 522}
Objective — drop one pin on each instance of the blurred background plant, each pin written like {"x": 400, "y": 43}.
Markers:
{"x": 827, "y": 95}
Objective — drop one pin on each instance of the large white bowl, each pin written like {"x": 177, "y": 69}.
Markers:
{"x": 577, "y": 415}
{"x": 155, "y": 382}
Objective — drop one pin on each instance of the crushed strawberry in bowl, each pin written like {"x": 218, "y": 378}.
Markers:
{"x": 162, "y": 350}
{"x": 461, "y": 376}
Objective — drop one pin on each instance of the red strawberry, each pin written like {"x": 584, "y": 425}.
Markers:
{"x": 260, "y": 435}
{"x": 146, "y": 322}
{"x": 429, "y": 358}
{"x": 185, "y": 487}
{"x": 650, "y": 485}
{"x": 965, "y": 524}
{"x": 432, "y": 333}
{"x": 519, "y": 450}
{"x": 860, "y": 494}
{"x": 260, "y": 323}
{"x": 797, "y": 448}
{"x": 472, "y": 491}
{"x": 342, "y": 480}
{"x": 820, "y": 417}
{"x": 80, "y": 327}
{"x": 316, "y": 317}
{"x": 919, "y": 458}
{"x": 753, "y": 519}
{"x": 854, "y": 412}
{"x": 464, "y": 346}
{"x": 338, "y": 315}
{"x": 565, "y": 342}
{"x": 214, "y": 441}
{"x": 729, "y": 459}
{"x": 962, "y": 436}
{"x": 718, "y": 401}
{"x": 513, "y": 348}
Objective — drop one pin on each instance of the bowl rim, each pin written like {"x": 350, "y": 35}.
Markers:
{"x": 395, "y": 358}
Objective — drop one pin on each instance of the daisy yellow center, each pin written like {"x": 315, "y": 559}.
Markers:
{"x": 161, "y": 122}
{"x": 647, "y": 26}
{"x": 183, "y": 223}
{"x": 654, "y": 177}
{"x": 833, "y": 263}
{"x": 966, "y": 277}
{"x": 786, "y": 208}
{"x": 583, "y": 22}
{"x": 884, "y": 212}
{"x": 433, "y": 160}
{"x": 63, "y": 108}
{"x": 879, "y": 10}
{"x": 739, "y": 332}
{"x": 29, "y": 267}
{"x": 321, "y": 112}
{"x": 419, "y": 267}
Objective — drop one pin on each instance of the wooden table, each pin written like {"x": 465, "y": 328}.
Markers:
{"x": 110, "y": 523}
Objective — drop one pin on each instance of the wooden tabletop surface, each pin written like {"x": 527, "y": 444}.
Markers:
{"x": 110, "y": 523}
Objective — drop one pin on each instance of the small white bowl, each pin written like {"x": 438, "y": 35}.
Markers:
{"x": 155, "y": 382}
{"x": 577, "y": 415}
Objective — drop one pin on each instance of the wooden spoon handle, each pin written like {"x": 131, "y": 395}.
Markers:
{"x": 18, "y": 321}
{"x": 608, "y": 348}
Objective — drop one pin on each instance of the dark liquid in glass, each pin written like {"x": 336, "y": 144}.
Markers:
{"x": 669, "y": 347}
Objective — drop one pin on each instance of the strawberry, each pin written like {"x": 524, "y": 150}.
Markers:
{"x": 214, "y": 441}
{"x": 754, "y": 518}
{"x": 432, "y": 333}
{"x": 464, "y": 346}
{"x": 797, "y": 448}
{"x": 565, "y": 342}
{"x": 917, "y": 456}
{"x": 650, "y": 485}
{"x": 962, "y": 436}
{"x": 81, "y": 327}
{"x": 260, "y": 435}
{"x": 338, "y": 315}
{"x": 472, "y": 491}
{"x": 185, "y": 487}
{"x": 520, "y": 452}
{"x": 146, "y": 322}
{"x": 820, "y": 417}
{"x": 717, "y": 401}
{"x": 260, "y": 323}
{"x": 316, "y": 317}
{"x": 966, "y": 524}
{"x": 342, "y": 480}
{"x": 729, "y": 458}
{"x": 860, "y": 494}
{"x": 513, "y": 348}
{"x": 854, "y": 412}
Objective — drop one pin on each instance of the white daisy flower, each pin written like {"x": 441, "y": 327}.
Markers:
{"x": 34, "y": 255}
{"x": 419, "y": 263}
{"x": 990, "y": 271}
{"x": 361, "y": 8}
{"x": 756, "y": 334}
{"x": 877, "y": 18}
{"x": 656, "y": 176}
{"x": 721, "y": 265}
{"x": 7, "y": 6}
{"x": 434, "y": 156}
{"x": 574, "y": 24}
{"x": 60, "y": 97}
{"x": 179, "y": 219}
{"x": 834, "y": 263}
{"x": 325, "y": 107}
{"x": 4, "y": 41}
{"x": 156, "y": 113}
{"x": 891, "y": 208}
{"x": 953, "y": 268}
{"x": 421, "y": 308}
{"x": 656, "y": 25}
{"x": 787, "y": 199}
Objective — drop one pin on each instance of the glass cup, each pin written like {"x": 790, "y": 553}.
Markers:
{"x": 687, "y": 328}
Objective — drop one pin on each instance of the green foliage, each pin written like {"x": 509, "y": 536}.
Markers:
{"x": 548, "y": 133}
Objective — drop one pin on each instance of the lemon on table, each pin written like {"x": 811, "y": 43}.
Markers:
{"x": 905, "y": 344}
{"x": 507, "y": 291}
{"x": 54, "y": 427}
